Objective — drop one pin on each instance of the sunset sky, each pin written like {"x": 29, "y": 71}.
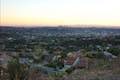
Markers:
{"x": 60, "y": 12}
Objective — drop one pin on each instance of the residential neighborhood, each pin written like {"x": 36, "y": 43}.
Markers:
{"x": 28, "y": 54}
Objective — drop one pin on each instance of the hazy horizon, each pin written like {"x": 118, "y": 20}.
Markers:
{"x": 60, "y": 12}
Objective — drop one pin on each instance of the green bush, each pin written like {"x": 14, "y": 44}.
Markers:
{"x": 97, "y": 55}
{"x": 114, "y": 51}
{"x": 53, "y": 65}
{"x": 70, "y": 70}
{"x": 16, "y": 70}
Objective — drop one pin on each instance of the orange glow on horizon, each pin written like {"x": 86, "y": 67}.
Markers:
{"x": 63, "y": 12}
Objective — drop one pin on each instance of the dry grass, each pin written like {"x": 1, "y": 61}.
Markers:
{"x": 105, "y": 71}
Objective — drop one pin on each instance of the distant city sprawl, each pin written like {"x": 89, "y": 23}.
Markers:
{"x": 59, "y": 53}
